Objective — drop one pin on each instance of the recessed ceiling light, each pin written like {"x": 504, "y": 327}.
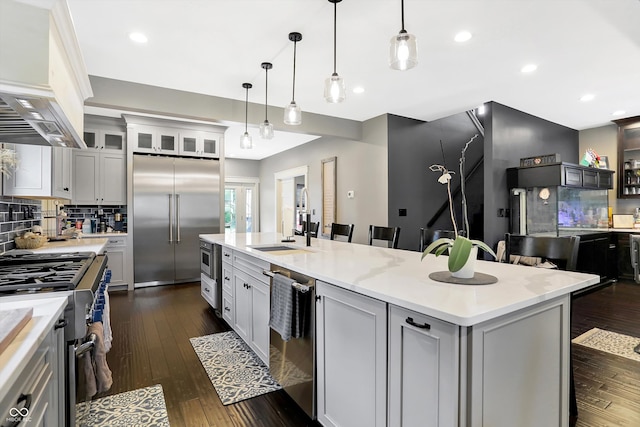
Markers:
{"x": 587, "y": 97}
{"x": 463, "y": 36}
{"x": 358, "y": 89}
{"x": 618, "y": 113}
{"x": 138, "y": 37}
{"x": 529, "y": 68}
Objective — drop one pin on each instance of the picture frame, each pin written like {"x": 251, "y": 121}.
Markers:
{"x": 604, "y": 162}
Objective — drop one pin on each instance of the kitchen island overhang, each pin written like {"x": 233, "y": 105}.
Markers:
{"x": 399, "y": 277}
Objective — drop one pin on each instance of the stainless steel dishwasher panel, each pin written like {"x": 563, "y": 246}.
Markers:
{"x": 293, "y": 363}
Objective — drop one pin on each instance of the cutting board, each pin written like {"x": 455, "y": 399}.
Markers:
{"x": 11, "y": 323}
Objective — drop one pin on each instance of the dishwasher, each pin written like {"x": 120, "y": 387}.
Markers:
{"x": 293, "y": 363}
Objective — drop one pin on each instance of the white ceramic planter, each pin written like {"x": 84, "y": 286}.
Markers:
{"x": 469, "y": 268}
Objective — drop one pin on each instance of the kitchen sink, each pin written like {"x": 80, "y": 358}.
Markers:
{"x": 279, "y": 249}
{"x": 274, "y": 248}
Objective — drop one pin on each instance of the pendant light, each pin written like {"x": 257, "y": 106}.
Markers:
{"x": 266, "y": 128}
{"x": 334, "y": 88}
{"x": 403, "y": 49}
{"x": 292, "y": 112}
{"x": 245, "y": 139}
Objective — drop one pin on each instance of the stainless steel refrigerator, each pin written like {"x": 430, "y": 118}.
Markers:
{"x": 174, "y": 200}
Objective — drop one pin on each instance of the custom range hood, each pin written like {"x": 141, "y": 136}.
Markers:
{"x": 43, "y": 79}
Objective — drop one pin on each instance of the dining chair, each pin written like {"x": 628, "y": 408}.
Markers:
{"x": 562, "y": 251}
{"x": 428, "y": 236}
{"x": 315, "y": 226}
{"x": 341, "y": 230}
{"x": 390, "y": 234}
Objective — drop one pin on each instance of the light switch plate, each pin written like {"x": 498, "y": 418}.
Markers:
{"x": 351, "y": 194}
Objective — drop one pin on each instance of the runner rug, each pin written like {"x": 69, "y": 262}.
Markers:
{"x": 138, "y": 408}
{"x": 610, "y": 342}
{"x": 235, "y": 371}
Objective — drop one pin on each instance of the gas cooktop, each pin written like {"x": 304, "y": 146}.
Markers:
{"x": 43, "y": 272}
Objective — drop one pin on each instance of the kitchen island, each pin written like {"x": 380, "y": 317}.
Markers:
{"x": 491, "y": 354}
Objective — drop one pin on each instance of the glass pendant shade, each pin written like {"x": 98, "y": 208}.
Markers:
{"x": 403, "y": 53}
{"x": 266, "y": 130}
{"x": 245, "y": 141}
{"x": 292, "y": 114}
{"x": 334, "y": 89}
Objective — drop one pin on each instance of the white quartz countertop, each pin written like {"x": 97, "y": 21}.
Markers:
{"x": 46, "y": 311}
{"x": 399, "y": 277}
{"x": 90, "y": 244}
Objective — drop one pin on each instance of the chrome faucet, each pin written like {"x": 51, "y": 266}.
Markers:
{"x": 304, "y": 196}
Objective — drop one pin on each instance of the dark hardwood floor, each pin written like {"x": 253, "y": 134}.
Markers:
{"x": 607, "y": 386}
{"x": 151, "y": 331}
{"x": 152, "y": 327}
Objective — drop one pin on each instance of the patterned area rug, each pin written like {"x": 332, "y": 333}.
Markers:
{"x": 610, "y": 342}
{"x": 233, "y": 368}
{"x": 141, "y": 408}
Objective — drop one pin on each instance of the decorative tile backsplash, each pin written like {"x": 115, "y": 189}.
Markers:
{"x": 17, "y": 216}
{"x": 84, "y": 213}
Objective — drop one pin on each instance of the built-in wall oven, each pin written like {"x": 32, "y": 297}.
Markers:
{"x": 210, "y": 274}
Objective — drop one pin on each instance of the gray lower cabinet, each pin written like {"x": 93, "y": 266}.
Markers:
{"x": 351, "y": 358}
{"x": 228, "y": 313}
{"x": 423, "y": 370}
{"x": 251, "y": 301}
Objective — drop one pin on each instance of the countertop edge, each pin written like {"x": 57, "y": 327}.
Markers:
{"x": 582, "y": 280}
{"x": 15, "y": 357}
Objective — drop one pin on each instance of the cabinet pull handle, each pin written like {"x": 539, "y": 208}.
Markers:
{"x": 227, "y": 309}
{"x": 246, "y": 285}
{"x": 318, "y": 297}
{"x": 65, "y": 189}
{"x": 226, "y": 278}
{"x": 417, "y": 325}
{"x": 60, "y": 324}
{"x": 206, "y": 289}
{"x": 227, "y": 255}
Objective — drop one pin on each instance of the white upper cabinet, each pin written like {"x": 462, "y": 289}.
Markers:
{"x": 104, "y": 140}
{"x": 200, "y": 144}
{"x": 156, "y": 140}
{"x": 99, "y": 178}
{"x": 41, "y": 172}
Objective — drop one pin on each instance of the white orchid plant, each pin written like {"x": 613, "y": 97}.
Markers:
{"x": 460, "y": 247}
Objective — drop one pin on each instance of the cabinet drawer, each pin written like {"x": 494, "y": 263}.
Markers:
{"x": 572, "y": 176}
{"x": 227, "y": 255}
{"x": 590, "y": 179}
{"x": 251, "y": 265}
{"x": 208, "y": 289}
{"x": 227, "y": 276}
{"x": 227, "y": 307}
{"x": 114, "y": 242}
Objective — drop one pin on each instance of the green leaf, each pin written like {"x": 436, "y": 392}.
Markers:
{"x": 433, "y": 247}
{"x": 459, "y": 253}
{"x": 484, "y": 247}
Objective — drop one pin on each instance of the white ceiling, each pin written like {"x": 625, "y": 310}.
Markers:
{"x": 213, "y": 46}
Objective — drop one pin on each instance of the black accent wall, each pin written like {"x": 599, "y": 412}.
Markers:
{"x": 415, "y": 145}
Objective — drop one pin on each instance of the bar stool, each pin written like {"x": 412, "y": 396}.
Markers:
{"x": 390, "y": 234}
{"x": 341, "y": 230}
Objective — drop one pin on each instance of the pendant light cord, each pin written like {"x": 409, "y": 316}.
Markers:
{"x": 293, "y": 96}
{"x": 266, "y": 87}
{"x": 402, "y": 15}
{"x": 335, "y": 18}
{"x": 246, "y": 110}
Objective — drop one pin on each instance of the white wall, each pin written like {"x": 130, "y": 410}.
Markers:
{"x": 241, "y": 168}
{"x": 361, "y": 167}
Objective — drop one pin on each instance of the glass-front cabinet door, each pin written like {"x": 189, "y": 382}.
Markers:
{"x": 104, "y": 140}
{"x": 629, "y": 158}
{"x": 151, "y": 139}
{"x": 199, "y": 144}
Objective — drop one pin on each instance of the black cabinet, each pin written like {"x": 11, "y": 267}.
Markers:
{"x": 594, "y": 254}
{"x": 623, "y": 256}
{"x": 628, "y": 158}
{"x": 560, "y": 174}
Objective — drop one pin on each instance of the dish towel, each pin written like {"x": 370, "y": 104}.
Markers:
{"x": 106, "y": 323}
{"x": 281, "y": 306}
{"x": 97, "y": 373}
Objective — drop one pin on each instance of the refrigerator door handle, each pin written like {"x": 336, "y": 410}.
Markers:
{"x": 177, "y": 218}
{"x": 170, "y": 218}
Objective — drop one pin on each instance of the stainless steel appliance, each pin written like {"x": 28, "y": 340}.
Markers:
{"x": 76, "y": 275}
{"x": 292, "y": 363}
{"x": 211, "y": 274}
{"x": 174, "y": 201}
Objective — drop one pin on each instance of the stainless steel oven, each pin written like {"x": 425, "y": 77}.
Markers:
{"x": 210, "y": 274}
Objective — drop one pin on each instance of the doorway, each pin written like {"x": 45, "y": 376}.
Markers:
{"x": 241, "y": 206}
{"x": 288, "y": 185}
